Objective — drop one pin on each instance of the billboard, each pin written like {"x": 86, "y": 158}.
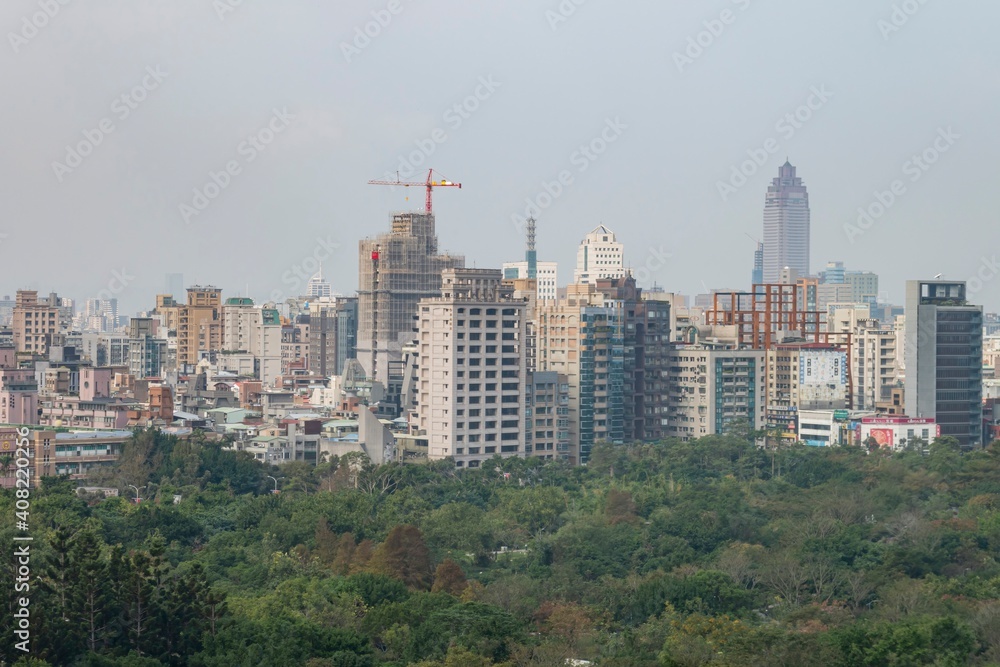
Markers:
{"x": 822, "y": 367}
{"x": 883, "y": 436}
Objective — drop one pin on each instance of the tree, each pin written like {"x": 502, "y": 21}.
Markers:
{"x": 619, "y": 507}
{"x": 449, "y": 578}
{"x": 404, "y": 555}
{"x": 92, "y": 596}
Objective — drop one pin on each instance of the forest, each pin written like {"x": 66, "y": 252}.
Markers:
{"x": 710, "y": 552}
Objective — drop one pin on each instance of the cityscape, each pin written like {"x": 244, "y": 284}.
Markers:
{"x": 568, "y": 334}
{"x": 467, "y": 364}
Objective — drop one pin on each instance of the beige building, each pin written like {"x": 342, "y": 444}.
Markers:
{"x": 240, "y": 319}
{"x": 199, "y": 328}
{"x": 710, "y": 389}
{"x": 611, "y": 343}
{"x": 35, "y": 323}
{"x": 807, "y": 377}
{"x": 169, "y": 310}
{"x": 875, "y": 370}
{"x": 472, "y": 370}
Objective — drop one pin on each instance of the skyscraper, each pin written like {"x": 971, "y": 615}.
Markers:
{"x": 786, "y": 225}
{"x": 173, "y": 284}
{"x": 944, "y": 358}
{"x": 600, "y": 257}
{"x": 396, "y": 270}
{"x": 318, "y": 287}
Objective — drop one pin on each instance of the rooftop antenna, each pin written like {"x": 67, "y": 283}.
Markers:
{"x": 531, "y": 255}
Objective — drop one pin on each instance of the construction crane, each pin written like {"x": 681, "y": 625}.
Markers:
{"x": 430, "y": 184}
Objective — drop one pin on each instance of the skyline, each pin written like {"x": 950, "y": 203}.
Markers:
{"x": 206, "y": 90}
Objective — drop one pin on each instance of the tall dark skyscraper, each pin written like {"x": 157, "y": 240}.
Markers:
{"x": 944, "y": 358}
{"x": 786, "y": 225}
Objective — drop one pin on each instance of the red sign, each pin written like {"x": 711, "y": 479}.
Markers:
{"x": 374, "y": 255}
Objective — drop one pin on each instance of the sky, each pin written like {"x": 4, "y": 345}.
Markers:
{"x": 232, "y": 140}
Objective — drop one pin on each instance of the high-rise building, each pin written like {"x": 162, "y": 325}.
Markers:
{"x": 268, "y": 346}
{"x": 599, "y": 257}
{"x": 547, "y": 433}
{"x": 199, "y": 328}
{"x": 611, "y": 343}
{"x": 875, "y": 369}
{"x": 318, "y": 287}
{"x": 545, "y": 274}
{"x": 333, "y": 335}
{"x": 864, "y": 286}
{"x": 145, "y": 350}
{"x": 240, "y": 320}
{"x": 712, "y": 389}
{"x": 473, "y": 373}
{"x": 173, "y": 283}
{"x": 396, "y": 270}
{"x": 833, "y": 274}
{"x": 786, "y": 225}
{"x": 35, "y": 323}
{"x": 944, "y": 358}
{"x": 547, "y": 279}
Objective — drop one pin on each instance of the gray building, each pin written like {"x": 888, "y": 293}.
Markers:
{"x": 333, "y": 335}
{"x": 944, "y": 358}
{"x": 395, "y": 271}
{"x": 786, "y": 225}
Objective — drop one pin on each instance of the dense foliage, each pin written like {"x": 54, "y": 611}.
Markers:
{"x": 677, "y": 554}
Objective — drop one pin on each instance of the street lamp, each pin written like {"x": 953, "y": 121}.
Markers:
{"x": 275, "y": 484}
{"x": 132, "y": 486}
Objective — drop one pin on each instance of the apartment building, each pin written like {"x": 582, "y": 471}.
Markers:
{"x": 710, "y": 389}
{"x": 472, "y": 382}
{"x": 35, "y": 322}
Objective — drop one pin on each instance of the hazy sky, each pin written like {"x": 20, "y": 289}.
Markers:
{"x": 207, "y": 84}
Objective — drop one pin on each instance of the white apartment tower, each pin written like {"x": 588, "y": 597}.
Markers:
{"x": 786, "y": 225}
{"x": 472, "y": 369}
{"x": 600, "y": 256}
{"x": 240, "y": 324}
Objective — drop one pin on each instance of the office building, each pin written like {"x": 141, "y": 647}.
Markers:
{"x": 599, "y": 257}
{"x": 786, "y": 225}
{"x": 944, "y": 358}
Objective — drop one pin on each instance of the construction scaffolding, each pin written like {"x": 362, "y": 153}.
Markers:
{"x": 779, "y": 316}
{"x": 396, "y": 270}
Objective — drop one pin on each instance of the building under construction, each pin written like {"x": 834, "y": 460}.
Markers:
{"x": 783, "y": 317}
{"x": 395, "y": 271}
